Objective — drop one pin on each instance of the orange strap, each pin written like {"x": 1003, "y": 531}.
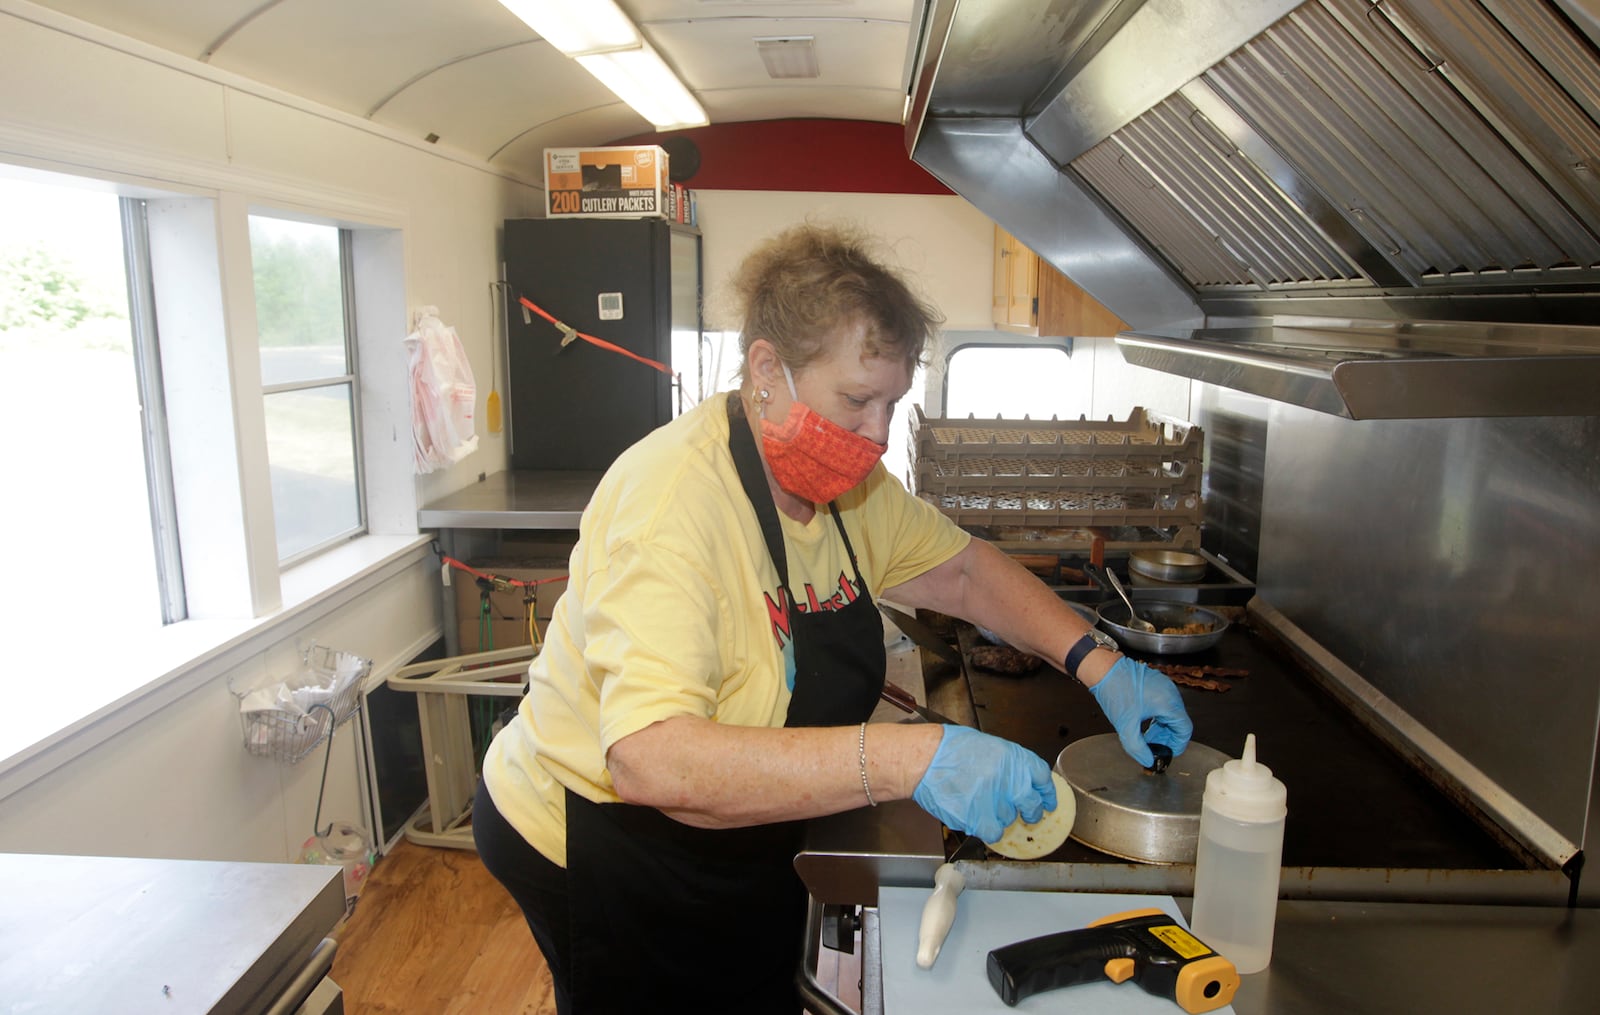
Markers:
{"x": 602, "y": 343}
{"x": 451, "y": 561}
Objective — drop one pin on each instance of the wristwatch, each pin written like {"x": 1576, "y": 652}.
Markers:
{"x": 1088, "y": 643}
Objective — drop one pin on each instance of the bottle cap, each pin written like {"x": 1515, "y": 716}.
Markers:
{"x": 1243, "y": 789}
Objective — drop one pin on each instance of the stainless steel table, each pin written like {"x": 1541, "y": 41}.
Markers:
{"x": 479, "y": 514}
{"x": 111, "y": 934}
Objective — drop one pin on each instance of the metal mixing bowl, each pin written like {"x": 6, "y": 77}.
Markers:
{"x": 1114, "y": 618}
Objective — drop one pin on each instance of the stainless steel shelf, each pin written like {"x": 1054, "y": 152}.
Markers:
{"x": 1432, "y": 370}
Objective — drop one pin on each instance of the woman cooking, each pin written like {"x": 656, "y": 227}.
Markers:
{"x": 706, "y": 678}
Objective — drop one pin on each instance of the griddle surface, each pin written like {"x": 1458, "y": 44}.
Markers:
{"x": 1353, "y": 802}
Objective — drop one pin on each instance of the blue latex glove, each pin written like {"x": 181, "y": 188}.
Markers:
{"x": 1132, "y": 692}
{"x": 979, "y": 784}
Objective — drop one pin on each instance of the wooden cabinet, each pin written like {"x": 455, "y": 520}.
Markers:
{"x": 1032, "y": 298}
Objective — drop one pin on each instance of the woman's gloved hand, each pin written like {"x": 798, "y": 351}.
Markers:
{"x": 979, "y": 784}
{"x": 1132, "y": 692}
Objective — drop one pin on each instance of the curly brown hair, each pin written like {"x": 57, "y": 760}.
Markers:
{"x": 798, "y": 287}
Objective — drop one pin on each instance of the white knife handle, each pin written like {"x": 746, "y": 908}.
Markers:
{"x": 938, "y": 913}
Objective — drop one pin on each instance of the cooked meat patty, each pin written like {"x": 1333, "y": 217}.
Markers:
{"x": 1004, "y": 659}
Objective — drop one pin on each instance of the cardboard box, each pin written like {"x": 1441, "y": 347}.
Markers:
{"x": 508, "y": 623}
{"x": 618, "y": 182}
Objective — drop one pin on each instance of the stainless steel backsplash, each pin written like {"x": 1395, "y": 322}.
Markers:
{"x": 1453, "y": 563}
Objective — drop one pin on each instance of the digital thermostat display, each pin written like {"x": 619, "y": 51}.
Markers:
{"x": 611, "y": 306}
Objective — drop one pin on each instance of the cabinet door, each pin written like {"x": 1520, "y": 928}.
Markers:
{"x": 1022, "y": 304}
{"x": 1031, "y": 296}
{"x": 1016, "y": 274}
{"x": 578, "y": 406}
{"x": 1000, "y": 292}
{"x": 1065, "y": 309}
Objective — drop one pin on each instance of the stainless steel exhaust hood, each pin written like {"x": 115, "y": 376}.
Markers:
{"x": 1375, "y": 209}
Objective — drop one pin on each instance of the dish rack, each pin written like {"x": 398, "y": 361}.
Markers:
{"x": 1032, "y": 479}
{"x": 331, "y": 679}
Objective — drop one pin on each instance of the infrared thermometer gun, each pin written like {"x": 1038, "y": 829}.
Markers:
{"x": 1146, "y": 946}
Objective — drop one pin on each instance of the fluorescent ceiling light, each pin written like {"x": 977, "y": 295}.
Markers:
{"x": 792, "y": 56}
{"x": 577, "y": 27}
{"x": 643, "y": 80}
{"x": 600, "y": 37}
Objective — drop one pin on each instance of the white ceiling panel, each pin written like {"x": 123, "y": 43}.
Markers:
{"x": 723, "y": 54}
{"x": 181, "y": 26}
{"x": 645, "y": 11}
{"x": 479, "y": 106}
{"x": 472, "y": 73}
{"x": 782, "y": 103}
{"x": 351, "y": 54}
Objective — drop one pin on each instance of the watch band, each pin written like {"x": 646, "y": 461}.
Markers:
{"x": 1080, "y": 648}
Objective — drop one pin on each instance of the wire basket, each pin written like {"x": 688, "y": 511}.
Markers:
{"x": 305, "y": 709}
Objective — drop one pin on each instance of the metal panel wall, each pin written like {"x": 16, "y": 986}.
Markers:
{"x": 1455, "y": 564}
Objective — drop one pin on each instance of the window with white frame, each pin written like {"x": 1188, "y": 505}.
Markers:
{"x": 93, "y": 515}
{"x": 308, "y": 380}
{"x": 90, "y": 534}
{"x": 1009, "y": 381}
{"x": 165, "y": 450}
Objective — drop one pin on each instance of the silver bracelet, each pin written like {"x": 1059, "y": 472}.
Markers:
{"x": 861, "y": 756}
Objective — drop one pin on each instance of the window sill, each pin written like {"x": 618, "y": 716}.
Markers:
{"x": 54, "y": 718}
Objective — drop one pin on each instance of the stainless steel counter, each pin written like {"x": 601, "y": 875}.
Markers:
{"x": 514, "y": 500}
{"x": 103, "y": 934}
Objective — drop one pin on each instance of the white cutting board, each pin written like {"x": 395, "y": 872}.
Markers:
{"x": 958, "y": 983}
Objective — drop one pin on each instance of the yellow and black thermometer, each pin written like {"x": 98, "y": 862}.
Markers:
{"x": 1143, "y": 945}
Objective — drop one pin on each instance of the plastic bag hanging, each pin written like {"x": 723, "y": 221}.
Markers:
{"x": 443, "y": 393}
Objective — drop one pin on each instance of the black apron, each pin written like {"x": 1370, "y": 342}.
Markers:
{"x": 665, "y": 915}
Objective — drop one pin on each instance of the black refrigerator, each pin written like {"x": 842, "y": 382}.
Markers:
{"x": 631, "y": 282}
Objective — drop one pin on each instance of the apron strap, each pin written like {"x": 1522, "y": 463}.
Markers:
{"x": 747, "y": 462}
{"x": 848, "y": 549}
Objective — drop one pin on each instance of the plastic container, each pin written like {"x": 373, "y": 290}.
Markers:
{"x": 345, "y": 845}
{"x": 1239, "y": 860}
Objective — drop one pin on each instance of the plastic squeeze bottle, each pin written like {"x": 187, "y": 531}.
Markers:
{"x": 1239, "y": 860}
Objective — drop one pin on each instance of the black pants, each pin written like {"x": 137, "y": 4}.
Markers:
{"x": 733, "y": 959}
{"x": 537, "y": 885}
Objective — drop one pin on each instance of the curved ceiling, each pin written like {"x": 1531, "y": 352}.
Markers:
{"x": 473, "y": 74}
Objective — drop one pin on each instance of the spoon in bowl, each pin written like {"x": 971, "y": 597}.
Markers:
{"x": 1134, "y": 621}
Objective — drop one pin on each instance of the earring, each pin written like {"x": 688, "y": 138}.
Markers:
{"x": 762, "y": 394}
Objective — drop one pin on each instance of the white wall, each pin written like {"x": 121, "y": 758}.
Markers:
{"x": 943, "y": 242}
{"x": 177, "y": 782}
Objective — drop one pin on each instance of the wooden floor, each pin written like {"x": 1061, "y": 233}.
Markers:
{"x": 434, "y": 933}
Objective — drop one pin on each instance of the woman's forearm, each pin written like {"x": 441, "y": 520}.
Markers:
{"x": 985, "y": 586}
{"x": 713, "y": 776}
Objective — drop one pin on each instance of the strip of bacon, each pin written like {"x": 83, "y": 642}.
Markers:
{"x": 1203, "y": 683}
{"x": 1174, "y": 669}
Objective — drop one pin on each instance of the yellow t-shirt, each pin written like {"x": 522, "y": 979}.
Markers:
{"x": 670, "y": 609}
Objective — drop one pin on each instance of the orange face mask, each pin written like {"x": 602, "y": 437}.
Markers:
{"x": 812, "y": 456}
